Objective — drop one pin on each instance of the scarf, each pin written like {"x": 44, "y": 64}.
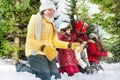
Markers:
{"x": 38, "y": 27}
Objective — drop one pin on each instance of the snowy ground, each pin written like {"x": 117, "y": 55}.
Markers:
{"x": 111, "y": 72}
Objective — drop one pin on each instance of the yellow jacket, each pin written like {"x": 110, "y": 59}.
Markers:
{"x": 48, "y": 37}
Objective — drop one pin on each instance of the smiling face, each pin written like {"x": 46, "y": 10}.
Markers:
{"x": 49, "y": 13}
{"x": 68, "y": 30}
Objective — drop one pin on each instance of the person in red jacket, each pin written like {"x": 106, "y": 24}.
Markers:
{"x": 95, "y": 50}
{"x": 66, "y": 57}
{"x": 79, "y": 35}
{"x": 79, "y": 32}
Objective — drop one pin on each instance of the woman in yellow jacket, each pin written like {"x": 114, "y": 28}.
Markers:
{"x": 42, "y": 41}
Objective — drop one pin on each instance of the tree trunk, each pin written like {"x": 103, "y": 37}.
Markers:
{"x": 16, "y": 49}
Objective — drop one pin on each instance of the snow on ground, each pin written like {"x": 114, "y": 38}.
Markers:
{"x": 8, "y": 72}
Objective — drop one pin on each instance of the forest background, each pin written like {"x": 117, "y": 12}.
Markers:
{"x": 15, "y": 15}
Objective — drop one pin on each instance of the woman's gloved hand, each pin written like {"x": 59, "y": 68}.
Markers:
{"x": 75, "y": 46}
{"x": 50, "y": 52}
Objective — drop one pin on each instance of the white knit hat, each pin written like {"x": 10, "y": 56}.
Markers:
{"x": 63, "y": 26}
{"x": 47, "y": 4}
{"x": 92, "y": 35}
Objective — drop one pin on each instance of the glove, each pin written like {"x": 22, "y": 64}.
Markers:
{"x": 88, "y": 70}
{"x": 50, "y": 52}
{"x": 79, "y": 49}
{"x": 75, "y": 46}
{"x": 109, "y": 54}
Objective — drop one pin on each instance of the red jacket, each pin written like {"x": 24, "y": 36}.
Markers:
{"x": 93, "y": 53}
{"x": 66, "y": 57}
{"x": 77, "y": 36}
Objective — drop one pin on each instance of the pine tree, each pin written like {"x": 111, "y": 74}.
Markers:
{"x": 14, "y": 17}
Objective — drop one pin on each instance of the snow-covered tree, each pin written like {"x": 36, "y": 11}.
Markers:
{"x": 70, "y": 11}
{"x": 60, "y": 13}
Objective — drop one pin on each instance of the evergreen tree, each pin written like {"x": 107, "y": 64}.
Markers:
{"x": 110, "y": 21}
{"x": 14, "y": 17}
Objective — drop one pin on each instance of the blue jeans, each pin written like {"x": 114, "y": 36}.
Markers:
{"x": 43, "y": 68}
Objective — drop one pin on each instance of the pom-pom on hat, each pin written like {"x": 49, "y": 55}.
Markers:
{"x": 47, "y": 4}
{"x": 84, "y": 29}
